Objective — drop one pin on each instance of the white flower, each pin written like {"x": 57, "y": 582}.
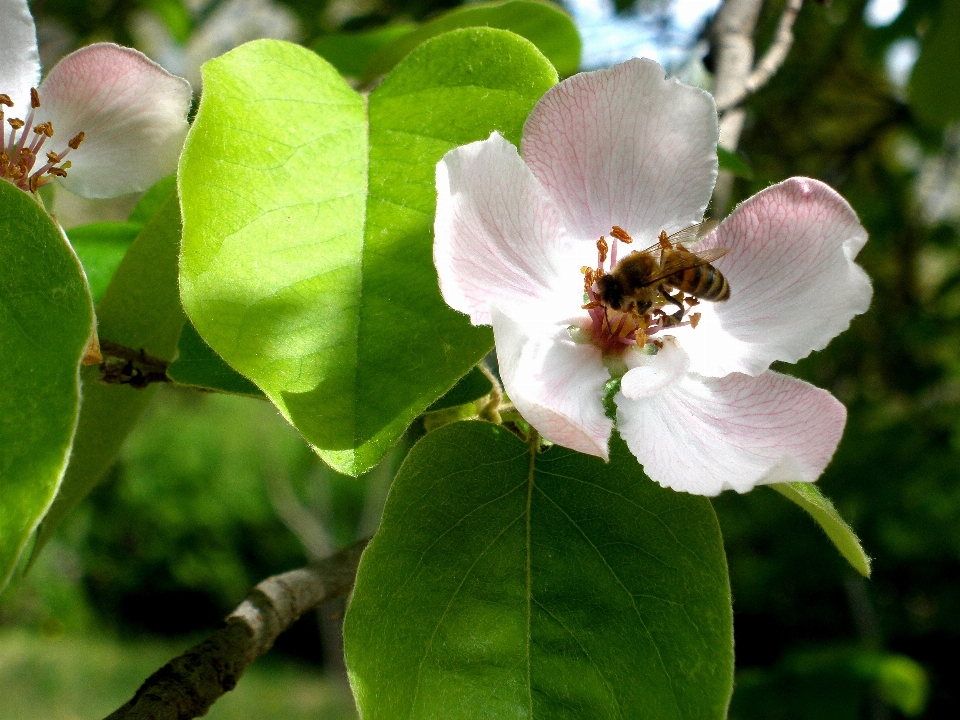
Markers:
{"x": 625, "y": 147}
{"x": 106, "y": 120}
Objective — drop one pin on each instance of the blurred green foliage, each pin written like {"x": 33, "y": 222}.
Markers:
{"x": 833, "y": 113}
{"x": 64, "y": 677}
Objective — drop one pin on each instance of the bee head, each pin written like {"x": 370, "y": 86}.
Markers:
{"x": 611, "y": 292}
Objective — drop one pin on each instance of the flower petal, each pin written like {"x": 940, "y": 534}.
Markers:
{"x": 498, "y": 237}
{"x": 555, "y": 383}
{"x": 19, "y": 57}
{"x": 651, "y": 374}
{"x": 705, "y": 435}
{"x": 794, "y": 284}
{"x": 625, "y": 147}
{"x": 132, "y": 111}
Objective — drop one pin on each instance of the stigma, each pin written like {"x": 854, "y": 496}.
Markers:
{"x": 20, "y": 155}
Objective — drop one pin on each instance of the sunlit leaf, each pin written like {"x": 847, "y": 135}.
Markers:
{"x": 46, "y": 318}
{"x": 507, "y": 583}
{"x": 140, "y": 310}
{"x": 324, "y": 297}
{"x": 545, "y": 25}
{"x": 809, "y": 497}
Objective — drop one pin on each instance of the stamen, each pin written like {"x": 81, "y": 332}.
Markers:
{"x": 694, "y": 320}
{"x": 601, "y": 252}
{"x": 620, "y": 234}
{"x": 18, "y": 156}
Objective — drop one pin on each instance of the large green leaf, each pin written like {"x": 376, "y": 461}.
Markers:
{"x": 809, "y": 497}
{"x": 545, "y": 25}
{"x": 326, "y": 297}
{"x": 935, "y": 82}
{"x": 141, "y": 310}
{"x": 101, "y": 247}
{"x": 504, "y": 583}
{"x": 46, "y": 318}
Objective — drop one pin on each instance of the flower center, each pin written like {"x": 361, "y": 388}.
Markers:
{"x": 627, "y": 302}
{"x": 18, "y": 157}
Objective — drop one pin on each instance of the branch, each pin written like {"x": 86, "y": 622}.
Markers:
{"x": 126, "y": 366}
{"x": 188, "y": 685}
{"x": 770, "y": 62}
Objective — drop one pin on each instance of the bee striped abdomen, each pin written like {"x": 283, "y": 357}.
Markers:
{"x": 703, "y": 281}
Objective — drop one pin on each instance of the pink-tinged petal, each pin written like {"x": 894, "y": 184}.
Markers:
{"x": 19, "y": 58}
{"x": 555, "y": 383}
{"x": 625, "y": 147}
{"x": 133, "y": 114}
{"x": 706, "y": 435}
{"x": 794, "y": 284}
{"x": 652, "y": 374}
{"x": 498, "y": 238}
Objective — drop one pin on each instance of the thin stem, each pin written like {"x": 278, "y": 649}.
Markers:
{"x": 490, "y": 411}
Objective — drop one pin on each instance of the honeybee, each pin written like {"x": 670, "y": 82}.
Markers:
{"x": 643, "y": 279}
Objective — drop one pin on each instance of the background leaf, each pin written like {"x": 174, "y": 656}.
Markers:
{"x": 46, "y": 318}
{"x": 545, "y": 25}
{"x": 198, "y": 365}
{"x": 325, "y": 298}
{"x": 350, "y": 52}
{"x": 734, "y": 163}
{"x": 140, "y": 309}
{"x": 502, "y": 584}
{"x": 101, "y": 247}
{"x": 935, "y": 81}
{"x": 472, "y": 386}
{"x": 808, "y": 496}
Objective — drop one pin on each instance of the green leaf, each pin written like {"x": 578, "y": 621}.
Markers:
{"x": 140, "y": 309}
{"x": 198, "y": 365}
{"x": 472, "y": 386}
{"x": 46, "y": 319}
{"x": 327, "y": 298}
{"x": 101, "y": 247}
{"x": 734, "y": 163}
{"x": 546, "y": 26}
{"x": 509, "y": 584}
{"x": 934, "y": 89}
{"x": 809, "y": 497}
{"x": 349, "y": 52}
{"x": 152, "y": 200}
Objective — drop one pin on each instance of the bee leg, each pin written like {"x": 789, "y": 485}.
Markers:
{"x": 677, "y": 316}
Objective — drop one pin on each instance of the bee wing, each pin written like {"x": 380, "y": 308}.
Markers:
{"x": 680, "y": 261}
{"x": 694, "y": 232}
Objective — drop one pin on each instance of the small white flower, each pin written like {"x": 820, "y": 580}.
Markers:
{"x": 625, "y": 147}
{"x": 106, "y": 120}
